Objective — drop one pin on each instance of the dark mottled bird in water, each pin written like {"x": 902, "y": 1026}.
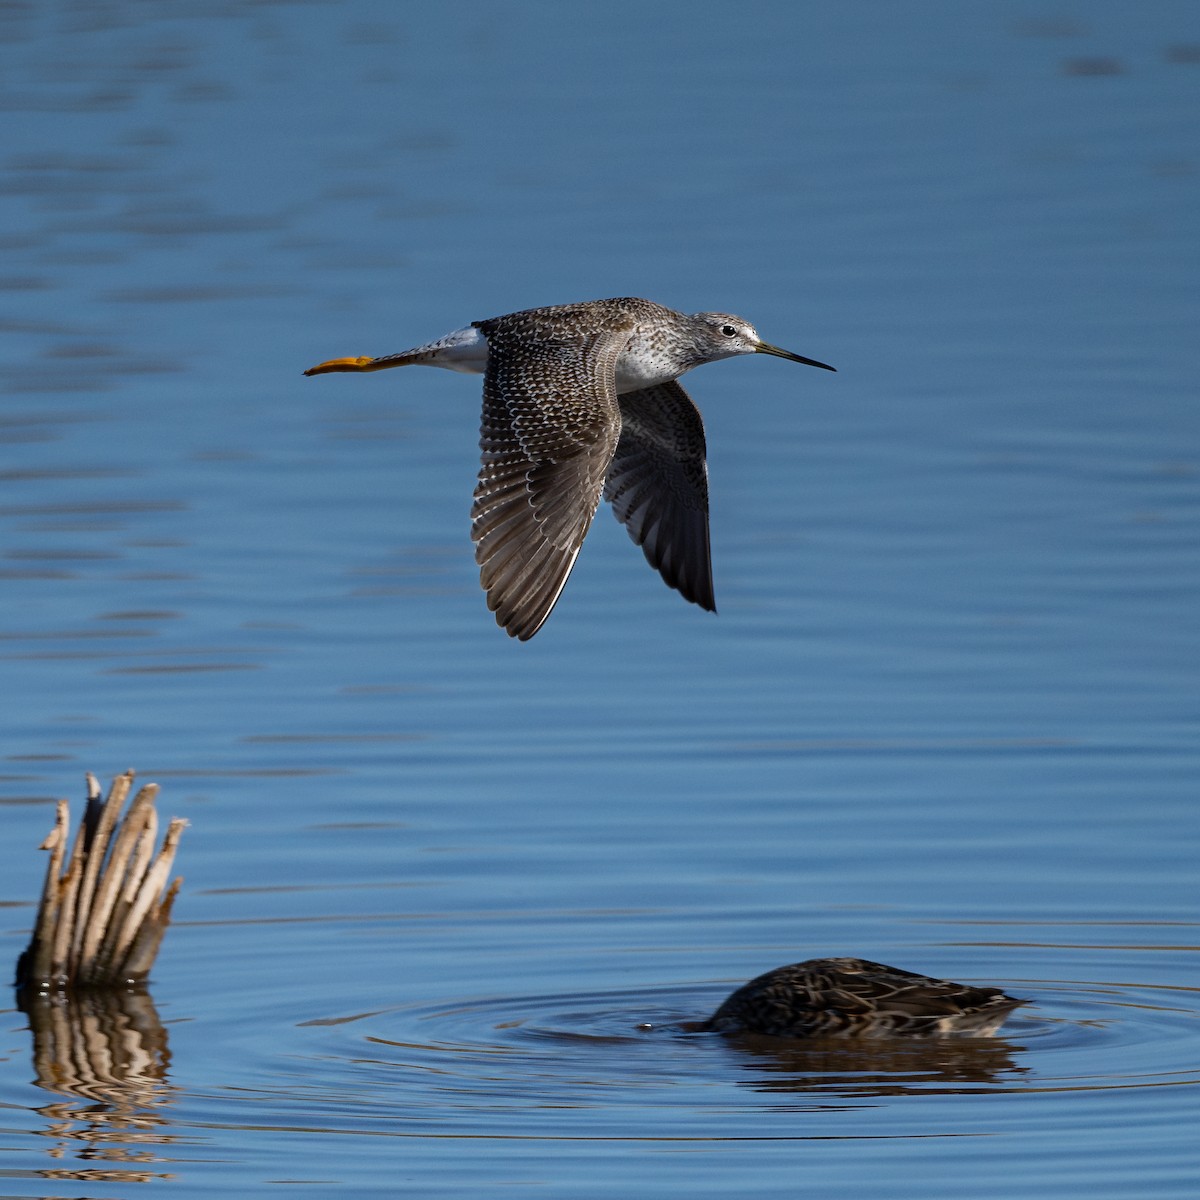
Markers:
{"x": 851, "y": 997}
{"x": 580, "y": 401}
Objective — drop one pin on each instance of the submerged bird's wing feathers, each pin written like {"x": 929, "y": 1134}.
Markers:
{"x": 658, "y": 487}
{"x": 549, "y": 431}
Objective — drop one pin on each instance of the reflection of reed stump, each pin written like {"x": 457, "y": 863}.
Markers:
{"x": 101, "y": 921}
{"x": 102, "y": 1045}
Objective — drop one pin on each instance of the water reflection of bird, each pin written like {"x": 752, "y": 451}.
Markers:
{"x": 851, "y": 997}
{"x": 879, "y": 1066}
{"x": 580, "y": 401}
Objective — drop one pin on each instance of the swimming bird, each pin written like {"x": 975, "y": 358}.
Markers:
{"x": 580, "y": 401}
{"x": 851, "y": 997}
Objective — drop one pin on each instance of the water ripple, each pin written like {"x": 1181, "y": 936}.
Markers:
{"x": 608, "y": 1049}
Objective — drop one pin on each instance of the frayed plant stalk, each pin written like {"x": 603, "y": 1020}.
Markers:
{"x": 102, "y": 916}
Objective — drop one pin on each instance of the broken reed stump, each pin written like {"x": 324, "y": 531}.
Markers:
{"x": 101, "y": 921}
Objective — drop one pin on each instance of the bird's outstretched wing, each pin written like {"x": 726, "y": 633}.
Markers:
{"x": 549, "y": 431}
{"x": 658, "y": 487}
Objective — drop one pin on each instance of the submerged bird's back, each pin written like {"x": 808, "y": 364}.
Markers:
{"x": 852, "y": 997}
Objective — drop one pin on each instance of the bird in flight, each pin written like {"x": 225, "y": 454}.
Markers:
{"x": 581, "y": 401}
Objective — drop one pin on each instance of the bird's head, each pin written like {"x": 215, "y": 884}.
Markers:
{"x": 722, "y": 335}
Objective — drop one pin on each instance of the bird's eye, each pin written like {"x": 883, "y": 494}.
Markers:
{"x": 729, "y": 330}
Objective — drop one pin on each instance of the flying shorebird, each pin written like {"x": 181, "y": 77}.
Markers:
{"x": 579, "y": 401}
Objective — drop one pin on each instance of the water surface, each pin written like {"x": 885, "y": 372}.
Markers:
{"x": 448, "y": 898}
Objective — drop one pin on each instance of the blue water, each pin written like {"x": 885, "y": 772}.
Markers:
{"x": 439, "y": 883}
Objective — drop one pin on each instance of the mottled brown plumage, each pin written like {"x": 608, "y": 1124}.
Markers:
{"x": 580, "y": 401}
{"x": 851, "y": 997}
